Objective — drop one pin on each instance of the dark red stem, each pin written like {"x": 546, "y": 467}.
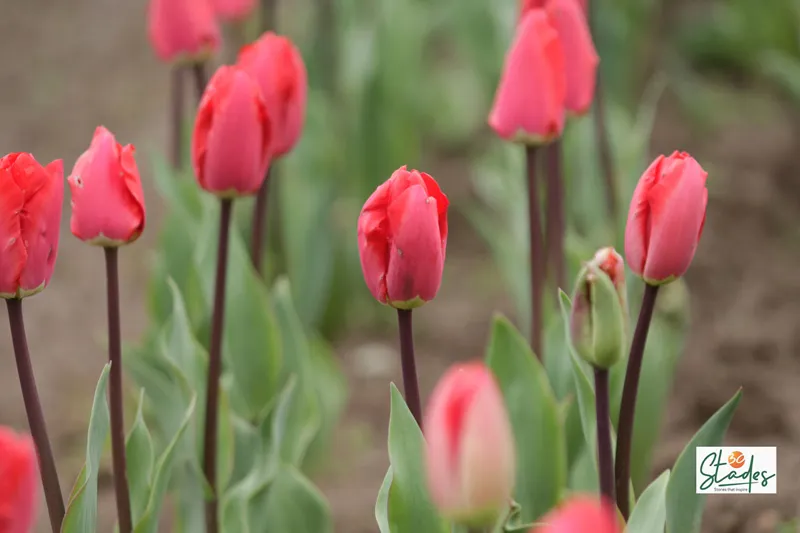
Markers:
{"x": 409, "y": 364}
{"x": 537, "y": 253}
{"x": 115, "y": 394}
{"x": 33, "y": 408}
{"x": 627, "y": 409}
{"x": 605, "y": 457}
{"x": 215, "y": 368}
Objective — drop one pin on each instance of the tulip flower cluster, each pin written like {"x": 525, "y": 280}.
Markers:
{"x": 492, "y": 449}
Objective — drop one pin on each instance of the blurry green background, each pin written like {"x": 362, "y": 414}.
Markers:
{"x": 397, "y": 82}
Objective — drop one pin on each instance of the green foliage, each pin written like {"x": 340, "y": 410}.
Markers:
{"x": 684, "y": 506}
{"x": 404, "y": 505}
{"x": 82, "y": 505}
{"x": 533, "y": 410}
{"x": 650, "y": 512}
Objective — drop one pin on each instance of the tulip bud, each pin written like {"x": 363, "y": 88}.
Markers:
{"x": 580, "y": 514}
{"x": 233, "y": 10}
{"x": 666, "y": 218}
{"x": 598, "y": 324}
{"x": 529, "y": 103}
{"x": 402, "y": 237}
{"x": 18, "y": 482}
{"x": 580, "y": 56}
{"x": 277, "y": 66}
{"x": 232, "y": 135}
{"x": 182, "y": 30}
{"x": 470, "y": 454}
{"x": 30, "y": 204}
{"x": 107, "y": 198}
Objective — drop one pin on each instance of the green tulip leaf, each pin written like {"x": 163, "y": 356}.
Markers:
{"x": 294, "y": 504}
{"x": 650, "y": 513}
{"x": 81, "y": 515}
{"x": 684, "y": 505}
{"x": 408, "y": 506}
{"x": 534, "y": 414}
{"x": 139, "y": 456}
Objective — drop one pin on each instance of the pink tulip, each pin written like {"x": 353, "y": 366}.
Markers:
{"x": 18, "y": 482}
{"x": 580, "y": 514}
{"x": 666, "y": 218}
{"x": 529, "y": 104}
{"x": 234, "y": 10}
{"x": 527, "y": 5}
{"x": 232, "y": 135}
{"x": 182, "y": 30}
{"x": 31, "y": 197}
{"x": 580, "y": 56}
{"x": 470, "y": 446}
{"x": 276, "y": 65}
{"x": 107, "y": 198}
{"x": 402, "y": 238}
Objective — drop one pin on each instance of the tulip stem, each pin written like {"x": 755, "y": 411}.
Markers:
{"x": 627, "y": 408}
{"x": 260, "y": 218}
{"x": 537, "y": 256}
{"x": 200, "y": 79}
{"x": 410, "y": 383}
{"x": 115, "y": 394}
{"x": 604, "y": 149}
{"x": 603, "y": 414}
{"x": 215, "y": 367}
{"x": 176, "y": 125}
{"x": 555, "y": 218}
{"x": 33, "y": 408}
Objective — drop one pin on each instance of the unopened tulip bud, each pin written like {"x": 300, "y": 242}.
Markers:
{"x": 666, "y": 218}
{"x": 182, "y": 30}
{"x": 529, "y": 103}
{"x": 31, "y": 197}
{"x": 275, "y": 63}
{"x": 402, "y": 238}
{"x": 18, "y": 482}
{"x": 470, "y": 446}
{"x": 231, "y": 143}
{"x": 107, "y": 198}
{"x": 580, "y": 514}
{"x": 598, "y": 323}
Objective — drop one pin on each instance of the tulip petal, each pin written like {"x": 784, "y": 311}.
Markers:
{"x": 637, "y": 229}
{"x": 486, "y": 485}
{"x": 580, "y": 514}
{"x": 580, "y": 56}
{"x": 40, "y": 224}
{"x": 13, "y": 254}
{"x": 415, "y": 255}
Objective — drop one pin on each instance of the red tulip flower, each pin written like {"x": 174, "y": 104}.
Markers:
{"x": 666, "y": 218}
{"x": 107, "y": 198}
{"x": 470, "y": 452}
{"x": 402, "y": 237}
{"x": 580, "y": 56}
{"x": 182, "y": 29}
{"x": 580, "y": 514}
{"x": 529, "y": 104}
{"x": 232, "y": 135}
{"x": 233, "y": 9}
{"x": 18, "y": 482}
{"x": 30, "y": 207}
{"x": 276, "y": 65}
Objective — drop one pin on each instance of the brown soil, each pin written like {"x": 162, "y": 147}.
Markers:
{"x": 58, "y": 83}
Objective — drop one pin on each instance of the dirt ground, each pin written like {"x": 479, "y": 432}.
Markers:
{"x": 57, "y": 83}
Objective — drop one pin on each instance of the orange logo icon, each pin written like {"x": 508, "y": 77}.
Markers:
{"x": 736, "y": 459}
